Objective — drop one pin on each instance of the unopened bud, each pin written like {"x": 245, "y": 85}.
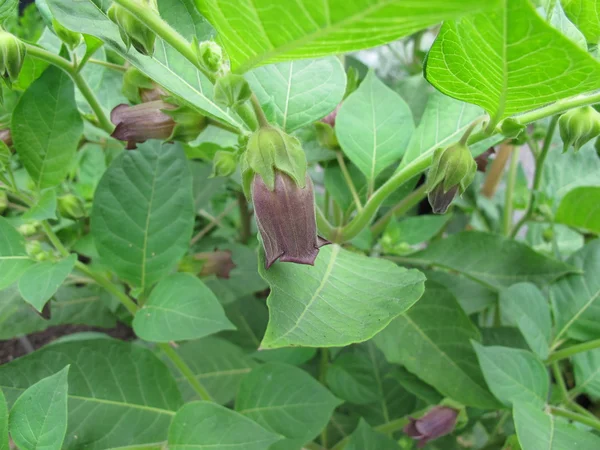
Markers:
{"x": 133, "y": 32}
{"x": 224, "y": 163}
{"x": 138, "y": 88}
{"x": 329, "y": 119}
{"x": 578, "y": 126}
{"x": 438, "y": 422}
{"x": 27, "y": 229}
{"x": 136, "y": 124}
{"x": 217, "y": 263}
{"x": 71, "y": 39}
{"x": 210, "y": 55}
{"x": 232, "y": 90}
{"x": 12, "y": 55}
{"x": 71, "y": 206}
{"x": 6, "y": 137}
{"x": 452, "y": 171}
{"x": 326, "y": 136}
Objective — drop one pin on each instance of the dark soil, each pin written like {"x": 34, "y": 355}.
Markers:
{"x": 14, "y": 348}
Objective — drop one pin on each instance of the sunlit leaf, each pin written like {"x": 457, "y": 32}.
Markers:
{"x": 13, "y": 256}
{"x": 580, "y": 209}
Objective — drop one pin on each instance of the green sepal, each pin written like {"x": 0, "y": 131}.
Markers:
{"x": 579, "y": 126}
{"x": 224, "y": 163}
{"x": 188, "y": 123}
{"x": 232, "y": 90}
{"x": 133, "y": 81}
{"x": 133, "y": 32}
{"x": 326, "y": 136}
{"x": 452, "y": 166}
{"x": 462, "y": 419}
{"x": 510, "y": 128}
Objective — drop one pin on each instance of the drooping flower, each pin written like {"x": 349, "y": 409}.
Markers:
{"x": 6, "y": 137}
{"x": 217, "y": 263}
{"x": 12, "y": 56}
{"x": 438, "y": 422}
{"x": 579, "y": 126}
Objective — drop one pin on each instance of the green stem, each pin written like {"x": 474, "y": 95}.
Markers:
{"x": 589, "y": 421}
{"x": 510, "y": 189}
{"x": 185, "y": 371}
{"x": 537, "y": 178}
{"x": 564, "y": 393}
{"x": 107, "y": 64}
{"x": 44, "y": 55}
{"x": 558, "y": 107}
{"x": 407, "y": 203}
{"x": 58, "y": 245}
{"x": 573, "y": 350}
{"x": 245, "y": 218}
{"x": 260, "y": 114}
{"x": 349, "y": 182}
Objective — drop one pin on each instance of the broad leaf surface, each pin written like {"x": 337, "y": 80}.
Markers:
{"x": 38, "y": 419}
{"x": 45, "y": 208}
{"x": 373, "y": 126}
{"x": 180, "y": 308}
{"x": 416, "y": 386}
{"x": 280, "y": 397}
{"x": 576, "y": 298}
{"x": 587, "y": 372}
{"x": 366, "y": 438}
{"x": 342, "y": 299}
{"x": 7, "y": 9}
{"x": 527, "y": 307}
{"x": 13, "y": 256}
{"x": 538, "y": 430}
{"x": 433, "y": 341}
{"x": 471, "y": 295}
{"x": 559, "y": 20}
{"x": 40, "y": 282}
{"x": 46, "y": 127}
{"x": 580, "y": 208}
{"x": 119, "y": 394}
{"x": 300, "y": 92}
{"x": 513, "y": 375}
{"x": 4, "y": 444}
{"x": 143, "y": 213}
{"x": 586, "y": 15}
{"x": 508, "y": 61}
{"x": 216, "y": 363}
{"x": 204, "y": 425}
{"x": 258, "y": 32}
{"x": 492, "y": 260}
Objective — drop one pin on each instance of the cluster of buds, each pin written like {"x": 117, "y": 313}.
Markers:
{"x": 274, "y": 172}
{"x": 438, "y": 422}
{"x": 452, "y": 171}
{"x": 133, "y": 32}
{"x": 579, "y": 126}
{"x": 12, "y": 55}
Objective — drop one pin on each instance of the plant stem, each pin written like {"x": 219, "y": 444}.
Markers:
{"x": 589, "y": 421}
{"x": 185, "y": 371}
{"x": 245, "y": 218}
{"x": 349, "y": 182}
{"x": 510, "y": 189}
{"x": 107, "y": 64}
{"x": 408, "y": 202}
{"x": 325, "y": 227}
{"x": 562, "y": 388}
{"x": 573, "y": 350}
{"x": 558, "y": 107}
{"x": 213, "y": 223}
{"x": 323, "y": 366}
{"x": 537, "y": 178}
{"x": 58, "y": 245}
{"x": 44, "y": 55}
{"x": 260, "y": 114}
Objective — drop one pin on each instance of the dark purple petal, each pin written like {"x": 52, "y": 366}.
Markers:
{"x": 141, "y": 122}
{"x": 438, "y": 422}
{"x": 329, "y": 119}
{"x": 440, "y": 200}
{"x": 217, "y": 263}
{"x": 483, "y": 159}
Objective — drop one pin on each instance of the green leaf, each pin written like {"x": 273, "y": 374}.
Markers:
{"x": 185, "y": 18}
{"x": 250, "y": 316}
{"x": 538, "y": 430}
{"x": 508, "y": 61}
{"x": 586, "y": 15}
{"x": 373, "y": 126}
{"x": 143, "y": 214}
{"x": 503, "y": 336}
{"x": 526, "y": 306}
{"x": 400, "y": 236}
{"x": 256, "y": 32}
{"x": 472, "y": 296}
{"x": 579, "y": 208}
{"x": 513, "y": 375}
{"x": 46, "y": 127}
{"x": 38, "y": 419}
{"x": 575, "y": 297}
{"x": 13, "y": 256}
{"x": 351, "y": 377}
{"x": 7, "y": 9}
{"x": 416, "y": 386}
{"x": 120, "y": 394}
{"x": 40, "y": 282}
{"x": 432, "y": 340}
{"x": 219, "y": 365}
{"x": 45, "y": 208}
{"x": 301, "y": 92}
{"x": 366, "y": 438}
{"x": 559, "y": 20}
{"x": 71, "y": 305}
{"x": 587, "y": 372}
{"x": 294, "y": 356}
{"x": 4, "y": 444}
{"x": 180, "y": 307}
{"x": 287, "y": 401}
{"x": 175, "y": 74}
{"x": 345, "y": 296}
{"x": 204, "y": 425}
{"x": 492, "y": 260}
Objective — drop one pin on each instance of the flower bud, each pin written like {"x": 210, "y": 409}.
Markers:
{"x": 326, "y": 135}
{"x": 12, "y": 55}
{"x": 70, "y": 38}
{"x": 285, "y": 216}
{"x": 438, "y": 422}
{"x": 578, "y": 126}
{"x": 232, "y": 90}
{"x": 452, "y": 171}
{"x": 71, "y": 206}
{"x": 138, "y": 88}
{"x": 133, "y": 32}
{"x": 210, "y": 55}
{"x": 6, "y": 137}
{"x": 136, "y": 124}
{"x": 217, "y": 263}
{"x": 329, "y": 119}
{"x": 224, "y": 163}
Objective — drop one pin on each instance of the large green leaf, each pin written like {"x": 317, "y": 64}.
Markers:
{"x": 166, "y": 68}
{"x": 586, "y": 15}
{"x": 538, "y": 430}
{"x": 44, "y": 208}
{"x": 179, "y": 308}
{"x": 287, "y": 401}
{"x": 40, "y": 282}
{"x": 575, "y": 298}
{"x": 257, "y": 32}
{"x": 508, "y": 61}
{"x": 559, "y": 20}
{"x": 513, "y": 375}
{"x": 587, "y": 372}
{"x": 204, "y": 425}
{"x": 432, "y": 340}
{"x": 71, "y": 305}
{"x": 374, "y": 126}
{"x": 7, "y": 9}
{"x": 342, "y": 299}
{"x": 38, "y": 419}
{"x": 471, "y": 295}
{"x": 4, "y": 444}
{"x": 366, "y": 438}
{"x": 13, "y": 256}
{"x": 526, "y": 306}
{"x": 120, "y": 394}
{"x": 300, "y": 92}
{"x": 143, "y": 213}
{"x": 492, "y": 260}
{"x": 580, "y": 208}
{"x": 46, "y": 127}
{"x": 218, "y": 364}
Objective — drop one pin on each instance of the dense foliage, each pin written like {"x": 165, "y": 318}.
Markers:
{"x": 315, "y": 245}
